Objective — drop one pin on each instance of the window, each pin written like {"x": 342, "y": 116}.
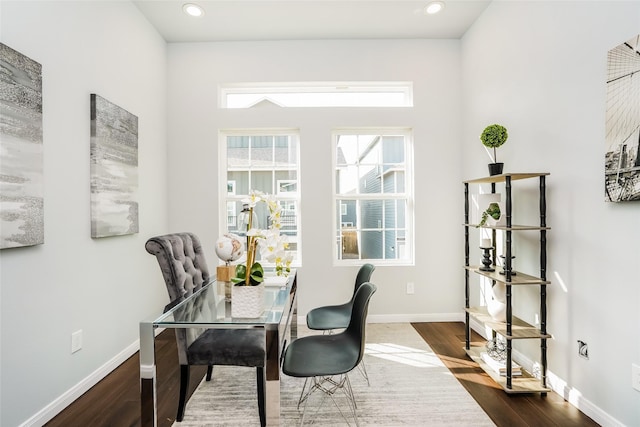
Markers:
{"x": 232, "y": 218}
{"x": 264, "y": 161}
{"x": 231, "y": 187}
{"x": 287, "y": 186}
{"x": 318, "y": 94}
{"x": 373, "y": 196}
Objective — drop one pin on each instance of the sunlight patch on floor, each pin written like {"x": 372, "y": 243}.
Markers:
{"x": 405, "y": 355}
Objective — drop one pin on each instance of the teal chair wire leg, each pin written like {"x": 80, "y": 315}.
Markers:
{"x": 362, "y": 368}
{"x": 330, "y": 386}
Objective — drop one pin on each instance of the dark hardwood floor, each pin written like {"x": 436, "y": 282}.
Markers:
{"x": 115, "y": 401}
{"x": 447, "y": 339}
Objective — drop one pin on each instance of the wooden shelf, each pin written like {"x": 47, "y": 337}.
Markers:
{"x": 519, "y": 279}
{"x": 502, "y": 177}
{"x": 526, "y": 383}
{"x": 519, "y": 328}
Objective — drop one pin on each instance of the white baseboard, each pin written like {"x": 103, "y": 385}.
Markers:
{"x": 574, "y": 397}
{"x": 405, "y": 318}
{"x": 408, "y": 318}
{"x": 54, "y": 408}
{"x": 557, "y": 384}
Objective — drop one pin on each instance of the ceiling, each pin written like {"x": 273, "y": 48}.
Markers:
{"x": 244, "y": 20}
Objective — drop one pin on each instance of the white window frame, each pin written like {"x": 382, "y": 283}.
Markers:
{"x": 281, "y": 182}
{"x": 317, "y": 94}
{"x": 408, "y": 195}
{"x": 288, "y": 198}
{"x": 228, "y": 211}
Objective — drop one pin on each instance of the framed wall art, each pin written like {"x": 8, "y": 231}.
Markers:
{"x": 21, "y": 150}
{"x": 622, "y": 127}
{"x": 114, "y": 169}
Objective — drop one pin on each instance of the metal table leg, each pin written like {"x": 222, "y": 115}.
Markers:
{"x": 148, "y": 394}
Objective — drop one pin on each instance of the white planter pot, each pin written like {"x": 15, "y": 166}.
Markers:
{"x": 481, "y": 202}
{"x": 497, "y": 306}
{"x": 502, "y": 221}
{"x": 497, "y": 310}
{"x": 247, "y": 301}
{"x": 500, "y": 292}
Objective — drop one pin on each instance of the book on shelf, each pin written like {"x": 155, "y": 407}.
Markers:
{"x": 500, "y": 366}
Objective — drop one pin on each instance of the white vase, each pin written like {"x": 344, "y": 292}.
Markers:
{"x": 481, "y": 202}
{"x": 247, "y": 301}
{"x": 497, "y": 310}
{"x": 497, "y": 306}
{"x": 502, "y": 221}
{"x": 500, "y": 292}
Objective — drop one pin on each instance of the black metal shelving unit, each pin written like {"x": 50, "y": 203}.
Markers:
{"x": 514, "y": 328}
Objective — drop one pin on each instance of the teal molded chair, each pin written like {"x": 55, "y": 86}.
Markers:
{"x": 330, "y": 317}
{"x": 338, "y": 316}
{"x": 322, "y": 358}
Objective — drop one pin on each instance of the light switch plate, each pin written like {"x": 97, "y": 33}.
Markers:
{"x": 76, "y": 341}
{"x": 411, "y": 289}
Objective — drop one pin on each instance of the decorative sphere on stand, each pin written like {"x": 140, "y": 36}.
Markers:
{"x": 229, "y": 247}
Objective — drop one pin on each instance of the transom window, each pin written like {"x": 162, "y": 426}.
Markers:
{"x": 264, "y": 161}
{"x": 317, "y": 94}
{"x": 373, "y": 196}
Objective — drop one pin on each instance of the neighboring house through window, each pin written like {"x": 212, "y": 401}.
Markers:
{"x": 266, "y": 161}
{"x": 373, "y": 196}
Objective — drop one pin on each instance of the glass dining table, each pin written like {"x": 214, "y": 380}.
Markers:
{"x": 208, "y": 308}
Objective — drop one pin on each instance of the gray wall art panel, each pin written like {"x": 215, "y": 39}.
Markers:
{"x": 114, "y": 169}
{"x": 21, "y": 154}
{"x": 622, "y": 126}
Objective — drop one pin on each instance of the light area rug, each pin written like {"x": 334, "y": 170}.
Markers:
{"x": 409, "y": 386}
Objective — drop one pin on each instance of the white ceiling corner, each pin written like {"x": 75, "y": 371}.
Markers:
{"x": 251, "y": 20}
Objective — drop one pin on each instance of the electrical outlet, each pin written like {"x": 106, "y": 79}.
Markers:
{"x": 410, "y": 288}
{"x": 76, "y": 341}
{"x": 635, "y": 376}
{"x": 583, "y": 349}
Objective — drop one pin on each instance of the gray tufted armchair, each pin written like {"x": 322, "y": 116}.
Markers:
{"x": 185, "y": 271}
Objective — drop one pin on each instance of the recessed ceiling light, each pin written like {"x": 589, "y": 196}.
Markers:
{"x": 192, "y": 9}
{"x": 434, "y": 7}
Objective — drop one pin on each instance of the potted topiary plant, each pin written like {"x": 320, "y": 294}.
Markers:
{"x": 493, "y": 136}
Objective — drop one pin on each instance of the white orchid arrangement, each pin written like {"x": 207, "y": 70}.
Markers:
{"x": 271, "y": 244}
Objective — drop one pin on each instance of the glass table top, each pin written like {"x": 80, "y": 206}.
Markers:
{"x": 208, "y": 307}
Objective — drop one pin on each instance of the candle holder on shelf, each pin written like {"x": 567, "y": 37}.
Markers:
{"x": 486, "y": 247}
{"x": 504, "y": 265}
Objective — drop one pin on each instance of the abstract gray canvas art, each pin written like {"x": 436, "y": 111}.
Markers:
{"x": 21, "y": 154}
{"x": 114, "y": 169}
{"x": 622, "y": 126}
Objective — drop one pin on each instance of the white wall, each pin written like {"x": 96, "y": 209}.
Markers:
{"x": 196, "y": 70}
{"x": 539, "y": 69}
{"x": 104, "y": 286}
{"x": 536, "y": 67}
